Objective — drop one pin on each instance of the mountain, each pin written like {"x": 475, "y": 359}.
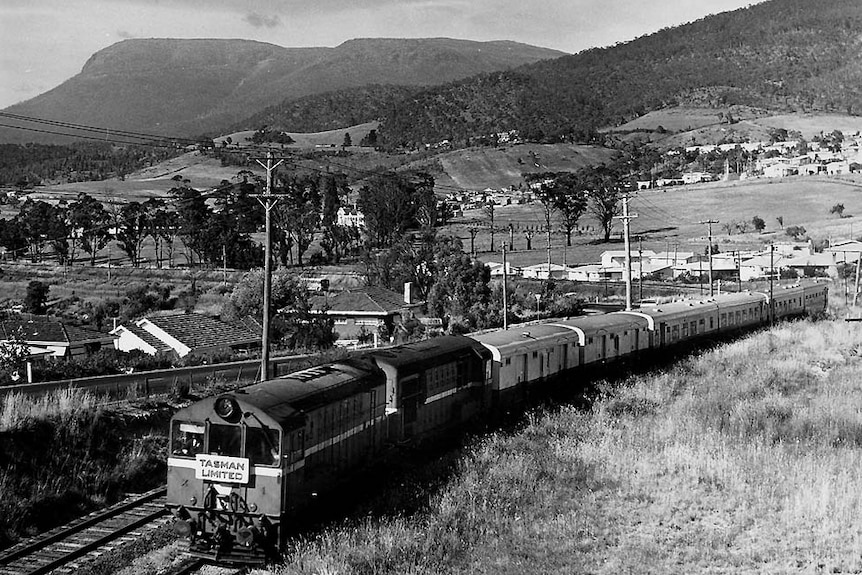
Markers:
{"x": 188, "y": 87}
{"x": 787, "y": 55}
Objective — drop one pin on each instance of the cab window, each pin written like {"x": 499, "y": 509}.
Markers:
{"x": 225, "y": 440}
{"x": 187, "y": 439}
{"x": 262, "y": 446}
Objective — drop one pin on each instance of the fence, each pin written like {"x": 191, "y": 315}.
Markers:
{"x": 179, "y": 379}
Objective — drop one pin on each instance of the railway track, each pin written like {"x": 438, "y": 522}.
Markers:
{"x": 67, "y": 548}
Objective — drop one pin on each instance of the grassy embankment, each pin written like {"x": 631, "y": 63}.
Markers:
{"x": 66, "y": 453}
{"x": 745, "y": 458}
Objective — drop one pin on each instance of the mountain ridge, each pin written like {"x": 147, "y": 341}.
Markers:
{"x": 185, "y": 87}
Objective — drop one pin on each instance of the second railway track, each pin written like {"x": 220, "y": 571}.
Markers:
{"x": 65, "y": 549}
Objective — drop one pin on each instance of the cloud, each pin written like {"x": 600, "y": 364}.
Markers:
{"x": 261, "y": 20}
{"x": 125, "y": 34}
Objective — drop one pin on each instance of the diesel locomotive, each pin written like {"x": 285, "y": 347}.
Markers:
{"x": 243, "y": 463}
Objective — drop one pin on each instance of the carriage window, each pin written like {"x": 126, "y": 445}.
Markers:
{"x": 262, "y": 446}
{"x": 187, "y": 439}
{"x": 225, "y": 440}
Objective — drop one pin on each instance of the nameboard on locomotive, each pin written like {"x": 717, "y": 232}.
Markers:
{"x": 222, "y": 469}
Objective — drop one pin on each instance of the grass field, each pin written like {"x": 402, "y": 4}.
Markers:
{"x": 670, "y": 219}
{"x": 742, "y": 459}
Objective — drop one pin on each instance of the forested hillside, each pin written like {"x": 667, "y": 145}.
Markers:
{"x": 329, "y": 111}
{"x": 783, "y": 55}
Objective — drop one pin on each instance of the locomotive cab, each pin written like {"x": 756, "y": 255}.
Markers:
{"x": 225, "y": 479}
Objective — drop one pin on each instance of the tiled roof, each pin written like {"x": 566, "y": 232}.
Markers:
{"x": 367, "y": 299}
{"x": 197, "y": 331}
{"x": 147, "y": 337}
{"x": 44, "y": 330}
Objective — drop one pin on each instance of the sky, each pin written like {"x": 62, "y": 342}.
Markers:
{"x": 45, "y": 42}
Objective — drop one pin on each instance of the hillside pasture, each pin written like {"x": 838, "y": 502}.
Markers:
{"x": 329, "y": 138}
{"x": 687, "y": 126}
{"x": 499, "y": 167}
{"x": 669, "y": 218}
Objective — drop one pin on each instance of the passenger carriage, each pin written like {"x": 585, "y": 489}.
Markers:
{"x": 607, "y": 337}
{"x": 527, "y": 354}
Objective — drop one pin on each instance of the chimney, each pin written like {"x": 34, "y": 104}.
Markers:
{"x": 408, "y": 292}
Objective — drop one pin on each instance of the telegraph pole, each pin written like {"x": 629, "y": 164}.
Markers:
{"x": 640, "y": 269}
{"x": 771, "y": 279}
{"x": 505, "y": 299}
{"x": 709, "y": 251}
{"x": 268, "y": 201}
{"x": 628, "y": 273}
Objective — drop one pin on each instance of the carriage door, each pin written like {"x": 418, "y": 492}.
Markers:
{"x": 661, "y": 329}
{"x": 564, "y": 357}
{"x": 604, "y": 349}
{"x": 410, "y": 396}
{"x": 523, "y": 375}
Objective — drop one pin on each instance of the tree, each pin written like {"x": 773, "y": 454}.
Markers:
{"x": 89, "y": 220}
{"x": 460, "y": 294}
{"x": 298, "y": 212}
{"x": 41, "y": 223}
{"x": 193, "y": 216}
{"x": 795, "y": 232}
{"x": 348, "y": 141}
{"x": 390, "y": 203}
{"x": 132, "y": 231}
{"x": 837, "y": 209}
{"x": 14, "y": 352}
{"x": 780, "y": 220}
{"x": 563, "y": 193}
{"x": 36, "y": 300}
{"x": 604, "y": 204}
{"x": 758, "y": 223}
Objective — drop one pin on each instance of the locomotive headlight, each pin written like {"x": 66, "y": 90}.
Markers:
{"x": 227, "y": 408}
{"x": 193, "y": 500}
{"x": 253, "y": 507}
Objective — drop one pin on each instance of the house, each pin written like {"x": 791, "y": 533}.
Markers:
{"x": 184, "y": 334}
{"x": 54, "y": 338}
{"x": 366, "y": 311}
{"x": 761, "y": 266}
{"x": 618, "y": 257}
{"x": 587, "y": 273}
{"x": 496, "y": 269}
{"x": 673, "y": 258}
{"x": 350, "y": 217}
{"x": 540, "y": 271}
{"x": 722, "y": 268}
{"x": 814, "y": 265}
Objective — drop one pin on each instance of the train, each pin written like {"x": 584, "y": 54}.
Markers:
{"x": 242, "y": 465}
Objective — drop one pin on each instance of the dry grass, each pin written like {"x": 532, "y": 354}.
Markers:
{"x": 744, "y": 459}
{"x": 17, "y": 410}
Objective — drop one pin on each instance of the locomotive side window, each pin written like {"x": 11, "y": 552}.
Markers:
{"x": 262, "y": 446}
{"x": 225, "y": 440}
{"x": 187, "y": 439}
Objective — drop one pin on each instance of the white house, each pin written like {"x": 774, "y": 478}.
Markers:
{"x": 350, "y": 217}
{"x": 540, "y": 271}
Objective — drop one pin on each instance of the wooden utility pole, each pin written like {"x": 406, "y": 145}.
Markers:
{"x": 628, "y": 272}
{"x": 709, "y": 251}
{"x": 640, "y": 269}
{"x": 268, "y": 200}
{"x": 771, "y": 279}
{"x": 505, "y": 299}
